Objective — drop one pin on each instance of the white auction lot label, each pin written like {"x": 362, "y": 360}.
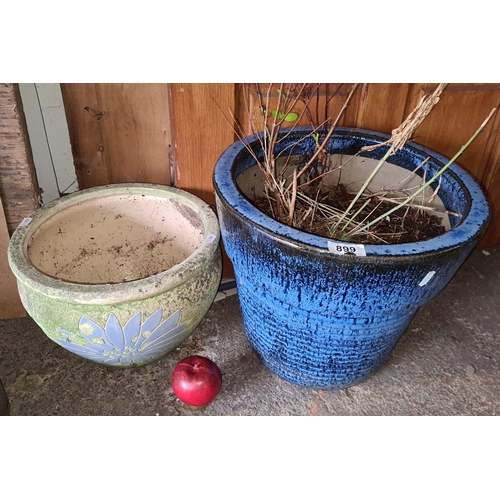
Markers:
{"x": 339, "y": 248}
{"x": 25, "y": 221}
{"x": 427, "y": 278}
{"x": 211, "y": 237}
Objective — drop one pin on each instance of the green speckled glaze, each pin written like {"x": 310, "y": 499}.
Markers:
{"x": 122, "y": 324}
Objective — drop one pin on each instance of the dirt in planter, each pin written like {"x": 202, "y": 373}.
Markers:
{"x": 405, "y": 225}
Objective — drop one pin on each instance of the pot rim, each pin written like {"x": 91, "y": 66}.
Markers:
{"x": 470, "y": 227}
{"x": 114, "y": 292}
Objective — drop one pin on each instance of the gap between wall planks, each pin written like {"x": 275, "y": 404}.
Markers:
{"x": 200, "y": 134}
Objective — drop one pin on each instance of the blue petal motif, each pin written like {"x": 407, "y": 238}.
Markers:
{"x": 152, "y": 322}
{"x": 132, "y": 329}
{"x": 91, "y": 351}
{"x": 165, "y": 330}
{"x": 114, "y": 332}
{"x": 170, "y": 323}
{"x": 163, "y": 344}
{"x": 135, "y": 343}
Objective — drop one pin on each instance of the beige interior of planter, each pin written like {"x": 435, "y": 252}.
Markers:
{"x": 115, "y": 239}
{"x": 353, "y": 175}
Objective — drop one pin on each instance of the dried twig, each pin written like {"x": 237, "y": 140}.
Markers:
{"x": 296, "y": 198}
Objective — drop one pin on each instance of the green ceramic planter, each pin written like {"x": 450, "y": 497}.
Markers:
{"x": 119, "y": 274}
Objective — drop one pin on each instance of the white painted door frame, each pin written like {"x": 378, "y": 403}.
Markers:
{"x": 49, "y": 138}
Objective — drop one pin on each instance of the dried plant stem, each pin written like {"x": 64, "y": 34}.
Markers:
{"x": 285, "y": 191}
{"x": 403, "y": 133}
{"x": 324, "y": 144}
{"x": 294, "y": 198}
{"x": 353, "y": 218}
{"x": 398, "y": 139}
{"x": 295, "y": 195}
{"x": 397, "y": 201}
{"x": 428, "y": 183}
{"x": 364, "y": 186}
{"x": 328, "y": 208}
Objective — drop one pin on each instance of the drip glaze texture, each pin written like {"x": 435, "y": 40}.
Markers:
{"x": 323, "y": 320}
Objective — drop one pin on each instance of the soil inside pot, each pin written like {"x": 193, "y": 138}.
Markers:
{"x": 314, "y": 213}
{"x": 405, "y": 225}
{"x": 115, "y": 239}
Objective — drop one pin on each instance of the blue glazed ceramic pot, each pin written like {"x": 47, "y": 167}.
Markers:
{"x": 326, "y": 320}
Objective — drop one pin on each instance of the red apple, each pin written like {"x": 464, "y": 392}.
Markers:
{"x": 196, "y": 381}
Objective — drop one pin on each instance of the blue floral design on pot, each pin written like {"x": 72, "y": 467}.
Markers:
{"x": 136, "y": 343}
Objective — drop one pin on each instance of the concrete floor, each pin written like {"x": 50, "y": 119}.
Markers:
{"x": 447, "y": 363}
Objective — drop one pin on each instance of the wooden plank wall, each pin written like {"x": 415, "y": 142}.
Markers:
{"x": 18, "y": 185}
{"x": 119, "y": 132}
{"x": 19, "y": 192}
{"x": 174, "y": 133}
{"x": 10, "y": 302}
{"x": 451, "y": 124}
{"x": 200, "y": 133}
{"x": 159, "y": 133}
